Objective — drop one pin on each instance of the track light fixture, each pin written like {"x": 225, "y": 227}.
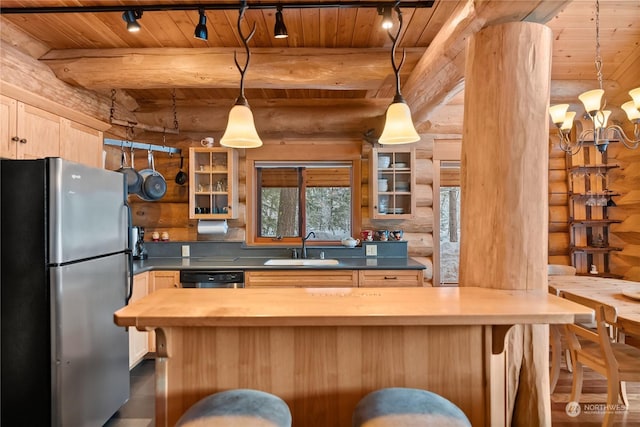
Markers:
{"x": 387, "y": 21}
{"x": 241, "y": 130}
{"x": 398, "y": 125}
{"x": 131, "y": 18}
{"x": 201, "y": 29}
{"x": 280, "y": 30}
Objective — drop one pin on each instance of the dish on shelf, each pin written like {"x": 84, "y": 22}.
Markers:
{"x": 632, "y": 295}
{"x": 384, "y": 161}
{"x": 398, "y": 165}
{"x": 402, "y": 186}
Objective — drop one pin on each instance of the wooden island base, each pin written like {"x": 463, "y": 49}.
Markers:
{"x": 322, "y": 350}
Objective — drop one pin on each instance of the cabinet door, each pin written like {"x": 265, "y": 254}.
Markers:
{"x": 301, "y": 278}
{"x": 213, "y": 180}
{"x": 39, "y": 133}
{"x": 138, "y": 341}
{"x": 161, "y": 280}
{"x": 8, "y": 131}
{"x": 80, "y": 143}
{"x": 389, "y": 278}
{"x": 392, "y": 183}
{"x": 165, "y": 279}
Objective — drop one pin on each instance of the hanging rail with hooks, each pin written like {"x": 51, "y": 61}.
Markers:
{"x": 142, "y": 146}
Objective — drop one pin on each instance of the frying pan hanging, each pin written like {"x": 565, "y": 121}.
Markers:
{"x": 181, "y": 176}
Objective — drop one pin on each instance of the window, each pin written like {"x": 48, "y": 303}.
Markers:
{"x": 449, "y": 221}
{"x": 294, "y": 198}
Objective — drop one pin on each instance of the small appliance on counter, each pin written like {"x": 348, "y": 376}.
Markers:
{"x": 137, "y": 237}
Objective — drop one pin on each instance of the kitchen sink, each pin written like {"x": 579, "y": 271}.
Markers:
{"x": 286, "y": 261}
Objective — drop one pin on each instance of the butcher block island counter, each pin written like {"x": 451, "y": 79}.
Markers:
{"x": 323, "y": 349}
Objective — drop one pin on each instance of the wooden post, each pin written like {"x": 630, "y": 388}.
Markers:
{"x": 504, "y": 191}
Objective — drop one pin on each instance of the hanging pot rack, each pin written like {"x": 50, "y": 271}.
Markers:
{"x": 142, "y": 146}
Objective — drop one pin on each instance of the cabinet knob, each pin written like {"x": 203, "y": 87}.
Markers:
{"x": 23, "y": 141}
{"x": 15, "y": 139}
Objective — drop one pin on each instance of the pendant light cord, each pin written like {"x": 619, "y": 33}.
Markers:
{"x": 242, "y": 69}
{"x": 397, "y": 67}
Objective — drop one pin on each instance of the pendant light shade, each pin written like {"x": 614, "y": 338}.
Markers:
{"x": 398, "y": 126}
{"x": 241, "y": 130}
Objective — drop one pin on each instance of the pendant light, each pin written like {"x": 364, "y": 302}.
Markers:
{"x": 241, "y": 130}
{"x": 398, "y": 126}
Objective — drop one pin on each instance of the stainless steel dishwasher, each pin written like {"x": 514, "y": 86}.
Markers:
{"x": 212, "y": 279}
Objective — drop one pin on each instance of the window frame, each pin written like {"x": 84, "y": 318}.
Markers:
{"x": 329, "y": 151}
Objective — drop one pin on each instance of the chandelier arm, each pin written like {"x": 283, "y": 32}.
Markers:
{"x": 566, "y": 145}
{"x": 628, "y": 142}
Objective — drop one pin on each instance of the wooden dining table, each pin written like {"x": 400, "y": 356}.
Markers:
{"x": 623, "y": 295}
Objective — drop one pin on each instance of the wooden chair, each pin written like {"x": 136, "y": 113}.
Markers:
{"x": 555, "y": 331}
{"x": 616, "y": 361}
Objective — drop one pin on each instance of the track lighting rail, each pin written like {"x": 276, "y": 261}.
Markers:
{"x": 213, "y": 6}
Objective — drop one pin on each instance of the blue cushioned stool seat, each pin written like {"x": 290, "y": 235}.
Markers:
{"x": 405, "y": 407}
{"x": 238, "y": 407}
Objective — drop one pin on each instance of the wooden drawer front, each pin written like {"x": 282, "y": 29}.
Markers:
{"x": 390, "y": 278}
{"x": 301, "y": 278}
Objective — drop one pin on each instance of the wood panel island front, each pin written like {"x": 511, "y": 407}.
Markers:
{"x": 323, "y": 349}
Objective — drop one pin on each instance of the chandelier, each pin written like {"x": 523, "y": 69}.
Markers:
{"x": 594, "y": 105}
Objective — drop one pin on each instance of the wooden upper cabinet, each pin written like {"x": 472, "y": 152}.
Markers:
{"x": 80, "y": 143}
{"x": 392, "y": 183}
{"x": 8, "y": 127}
{"x": 213, "y": 182}
{"x": 28, "y": 132}
{"x": 38, "y": 133}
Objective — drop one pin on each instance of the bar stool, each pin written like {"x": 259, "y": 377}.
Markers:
{"x": 398, "y": 407}
{"x": 238, "y": 408}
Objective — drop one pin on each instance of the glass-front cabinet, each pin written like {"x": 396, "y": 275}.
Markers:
{"x": 213, "y": 181}
{"x": 392, "y": 183}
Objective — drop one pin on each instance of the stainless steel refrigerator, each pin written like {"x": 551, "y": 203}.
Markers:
{"x": 64, "y": 272}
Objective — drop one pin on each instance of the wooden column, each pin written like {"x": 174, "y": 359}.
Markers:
{"x": 504, "y": 191}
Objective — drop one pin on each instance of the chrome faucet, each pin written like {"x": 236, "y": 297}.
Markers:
{"x": 303, "y": 252}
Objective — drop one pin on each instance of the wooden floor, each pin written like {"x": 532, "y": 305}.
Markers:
{"x": 139, "y": 410}
{"x": 594, "y": 395}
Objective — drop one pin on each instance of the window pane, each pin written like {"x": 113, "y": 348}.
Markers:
{"x": 328, "y": 212}
{"x": 280, "y": 213}
{"x": 449, "y": 234}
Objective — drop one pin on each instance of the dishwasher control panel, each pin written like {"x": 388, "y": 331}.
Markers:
{"x": 212, "y": 279}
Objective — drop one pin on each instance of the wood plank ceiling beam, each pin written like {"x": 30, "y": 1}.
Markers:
{"x": 271, "y": 68}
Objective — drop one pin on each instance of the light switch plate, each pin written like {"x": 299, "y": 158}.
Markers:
{"x": 372, "y": 250}
{"x": 186, "y": 251}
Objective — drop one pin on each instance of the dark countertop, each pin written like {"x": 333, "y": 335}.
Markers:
{"x": 257, "y": 263}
